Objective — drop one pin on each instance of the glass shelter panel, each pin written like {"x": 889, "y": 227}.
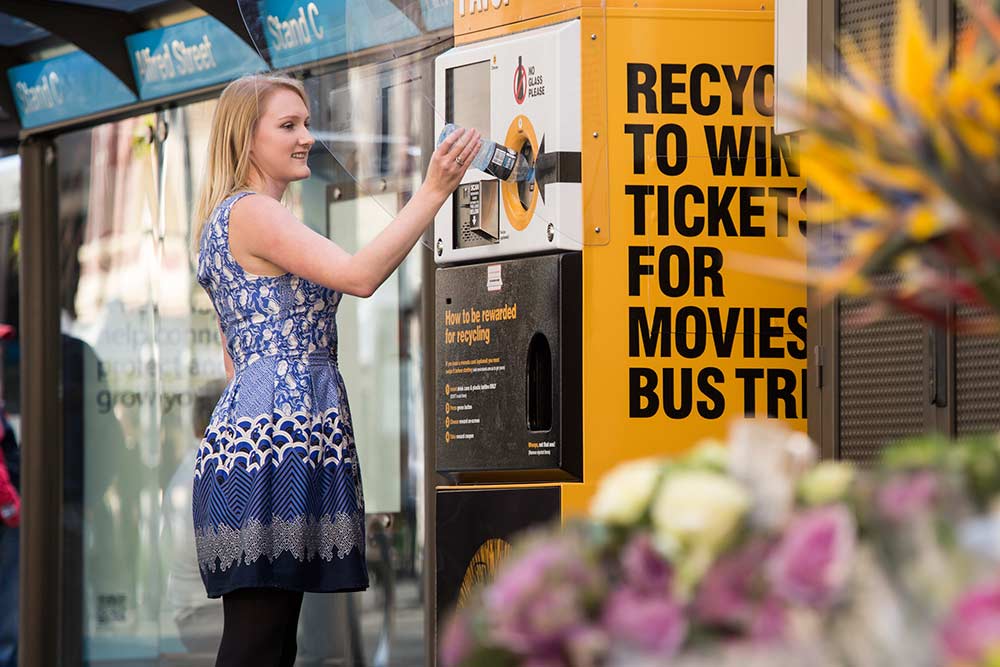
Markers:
{"x": 108, "y": 217}
{"x": 143, "y": 369}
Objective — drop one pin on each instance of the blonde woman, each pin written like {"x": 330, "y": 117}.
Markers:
{"x": 278, "y": 507}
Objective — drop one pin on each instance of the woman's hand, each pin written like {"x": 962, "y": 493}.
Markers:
{"x": 451, "y": 160}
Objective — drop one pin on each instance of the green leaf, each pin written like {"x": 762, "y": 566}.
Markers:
{"x": 491, "y": 656}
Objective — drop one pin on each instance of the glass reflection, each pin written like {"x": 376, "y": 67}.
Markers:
{"x": 109, "y": 388}
{"x": 196, "y": 619}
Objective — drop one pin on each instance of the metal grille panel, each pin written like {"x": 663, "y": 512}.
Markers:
{"x": 871, "y": 25}
{"x": 977, "y": 380}
{"x": 882, "y": 384}
{"x": 977, "y": 358}
{"x": 961, "y": 17}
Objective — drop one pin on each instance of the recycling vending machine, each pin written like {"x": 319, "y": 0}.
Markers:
{"x": 616, "y": 303}
{"x": 509, "y": 296}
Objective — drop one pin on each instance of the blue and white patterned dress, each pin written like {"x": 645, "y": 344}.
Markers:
{"x": 277, "y": 487}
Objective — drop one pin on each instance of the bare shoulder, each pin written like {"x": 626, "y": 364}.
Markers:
{"x": 267, "y": 239}
{"x": 258, "y": 210}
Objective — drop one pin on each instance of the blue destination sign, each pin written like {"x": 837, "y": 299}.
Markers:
{"x": 67, "y": 86}
{"x": 188, "y": 55}
{"x": 300, "y": 31}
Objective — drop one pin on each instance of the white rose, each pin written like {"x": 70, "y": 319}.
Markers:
{"x": 624, "y": 493}
{"x": 768, "y": 458}
{"x": 698, "y": 510}
{"x": 828, "y": 482}
{"x": 709, "y": 453}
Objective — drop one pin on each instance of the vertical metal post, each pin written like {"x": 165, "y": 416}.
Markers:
{"x": 41, "y": 410}
{"x": 947, "y": 24}
{"x": 823, "y": 333}
{"x": 430, "y": 476}
{"x": 940, "y": 16}
{"x": 428, "y": 346}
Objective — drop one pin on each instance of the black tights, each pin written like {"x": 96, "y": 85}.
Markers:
{"x": 260, "y": 627}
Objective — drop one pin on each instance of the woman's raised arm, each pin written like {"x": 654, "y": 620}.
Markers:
{"x": 261, "y": 228}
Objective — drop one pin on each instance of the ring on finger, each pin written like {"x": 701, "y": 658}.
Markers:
{"x": 460, "y": 161}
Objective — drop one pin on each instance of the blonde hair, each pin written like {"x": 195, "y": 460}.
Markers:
{"x": 228, "y": 168}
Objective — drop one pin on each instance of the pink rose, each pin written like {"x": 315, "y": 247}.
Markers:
{"x": 972, "y": 631}
{"x": 539, "y": 599}
{"x": 905, "y": 496}
{"x": 734, "y": 594}
{"x": 768, "y": 622}
{"x": 643, "y": 568}
{"x": 456, "y": 642}
{"x": 587, "y": 646}
{"x": 649, "y": 623}
{"x": 812, "y": 563}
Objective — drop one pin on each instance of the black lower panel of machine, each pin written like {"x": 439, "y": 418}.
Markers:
{"x": 509, "y": 376}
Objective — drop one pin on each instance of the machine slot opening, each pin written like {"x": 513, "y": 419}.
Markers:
{"x": 525, "y": 189}
{"x": 538, "y": 374}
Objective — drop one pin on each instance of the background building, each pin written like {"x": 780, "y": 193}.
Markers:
{"x": 899, "y": 377}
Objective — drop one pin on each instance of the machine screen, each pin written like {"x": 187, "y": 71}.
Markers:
{"x": 468, "y": 96}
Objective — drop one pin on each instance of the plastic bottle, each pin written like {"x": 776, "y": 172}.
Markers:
{"x": 496, "y": 159}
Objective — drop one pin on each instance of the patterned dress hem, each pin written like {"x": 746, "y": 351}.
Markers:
{"x": 288, "y": 574}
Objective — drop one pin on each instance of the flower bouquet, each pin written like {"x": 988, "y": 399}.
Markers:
{"x": 750, "y": 552}
{"x": 907, "y": 173}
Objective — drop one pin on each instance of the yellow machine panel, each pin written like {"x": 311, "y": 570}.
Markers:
{"x": 677, "y": 341}
{"x": 682, "y": 181}
{"x": 472, "y": 16}
{"x": 476, "y": 20}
